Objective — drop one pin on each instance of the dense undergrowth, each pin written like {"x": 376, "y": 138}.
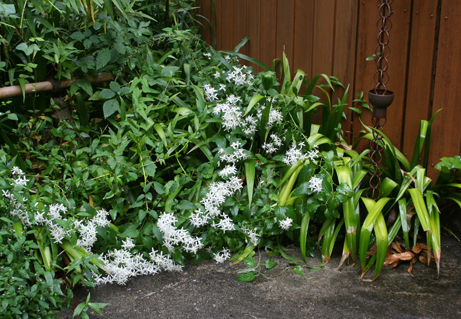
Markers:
{"x": 184, "y": 154}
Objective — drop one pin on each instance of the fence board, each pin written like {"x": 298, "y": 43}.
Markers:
{"x": 254, "y": 31}
{"x": 446, "y": 133}
{"x": 419, "y": 79}
{"x": 268, "y": 36}
{"x": 285, "y": 27}
{"x": 344, "y": 54}
{"x": 240, "y": 24}
{"x": 218, "y": 22}
{"x": 303, "y": 36}
{"x": 206, "y": 11}
{"x": 228, "y": 28}
{"x": 324, "y": 28}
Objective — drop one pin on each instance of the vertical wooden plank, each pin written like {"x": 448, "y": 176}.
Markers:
{"x": 228, "y": 28}
{"x": 218, "y": 22}
{"x": 205, "y": 29}
{"x": 285, "y": 28}
{"x": 303, "y": 36}
{"x": 419, "y": 78}
{"x": 366, "y": 43}
{"x": 446, "y": 135}
{"x": 398, "y": 43}
{"x": 240, "y": 25}
{"x": 322, "y": 58}
{"x": 324, "y": 29}
{"x": 268, "y": 37}
{"x": 254, "y": 31}
{"x": 344, "y": 55}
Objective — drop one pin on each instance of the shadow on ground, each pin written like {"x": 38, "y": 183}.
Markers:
{"x": 209, "y": 290}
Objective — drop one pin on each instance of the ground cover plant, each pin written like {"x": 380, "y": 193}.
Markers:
{"x": 185, "y": 153}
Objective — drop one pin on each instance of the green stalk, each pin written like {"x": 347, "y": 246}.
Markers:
{"x": 250, "y": 178}
{"x": 303, "y": 235}
{"x": 350, "y": 243}
{"x": 381, "y": 244}
{"x": 403, "y": 210}
{"x": 374, "y": 210}
{"x": 288, "y": 186}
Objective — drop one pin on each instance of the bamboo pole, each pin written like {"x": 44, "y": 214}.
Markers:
{"x": 15, "y": 90}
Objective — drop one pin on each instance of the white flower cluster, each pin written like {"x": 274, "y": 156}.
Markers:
{"x": 210, "y": 92}
{"x": 222, "y": 256}
{"x": 173, "y": 236}
{"x": 16, "y": 207}
{"x": 228, "y": 170}
{"x": 239, "y": 78}
{"x": 120, "y": 265}
{"x": 295, "y": 154}
{"x": 274, "y": 145}
{"x": 315, "y": 184}
{"x": 285, "y": 224}
{"x": 237, "y": 155}
{"x": 216, "y": 196}
{"x": 275, "y": 116}
{"x": 252, "y": 235}
{"x": 55, "y": 213}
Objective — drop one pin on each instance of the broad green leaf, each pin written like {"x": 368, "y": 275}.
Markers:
{"x": 110, "y": 107}
{"x": 270, "y": 264}
{"x": 298, "y": 270}
{"x": 106, "y": 94}
{"x": 247, "y": 277}
{"x": 103, "y": 58}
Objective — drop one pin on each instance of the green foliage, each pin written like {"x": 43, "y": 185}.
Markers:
{"x": 26, "y": 287}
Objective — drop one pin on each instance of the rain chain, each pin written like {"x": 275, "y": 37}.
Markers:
{"x": 380, "y": 97}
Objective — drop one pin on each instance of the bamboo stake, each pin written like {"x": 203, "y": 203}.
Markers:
{"x": 15, "y": 90}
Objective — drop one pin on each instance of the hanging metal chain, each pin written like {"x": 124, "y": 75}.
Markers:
{"x": 375, "y": 170}
{"x": 382, "y": 50}
{"x": 381, "y": 77}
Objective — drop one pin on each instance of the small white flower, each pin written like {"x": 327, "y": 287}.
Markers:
{"x": 315, "y": 184}
{"x": 286, "y": 223}
{"x": 222, "y": 256}
{"x": 228, "y": 170}
{"x": 128, "y": 244}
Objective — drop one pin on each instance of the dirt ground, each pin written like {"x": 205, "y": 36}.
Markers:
{"x": 209, "y": 290}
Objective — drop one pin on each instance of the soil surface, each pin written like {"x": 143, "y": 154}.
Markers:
{"x": 209, "y": 290}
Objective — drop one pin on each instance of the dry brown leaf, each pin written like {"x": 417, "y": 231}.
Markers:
{"x": 372, "y": 251}
{"x": 412, "y": 262}
{"x": 396, "y": 246}
{"x": 419, "y": 247}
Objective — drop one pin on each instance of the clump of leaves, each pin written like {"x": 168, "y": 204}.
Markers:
{"x": 26, "y": 287}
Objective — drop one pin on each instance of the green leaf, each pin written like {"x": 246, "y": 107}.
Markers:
{"x": 186, "y": 205}
{"x": 247, "y": 277}
{"x": 114, "y": 86}
{"x": 78, "y": 310}
{"x": 131, "y": 231}
{"x": 110, "y": 107}
{"x": 150, "y": 168}
{"x": 250, "y": 262}
{"x": 159, "y": 188}
{"x": 106, "y": 94}
{"x": 270, "y": 264}
{"x": 255, "y": 99}
{"x": 103, "y": 58}
{"x": 298, "y": 270}
{"x": 250, "y": 177}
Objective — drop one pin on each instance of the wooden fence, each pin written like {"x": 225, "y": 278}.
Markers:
{"x": 336, "y": 36}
